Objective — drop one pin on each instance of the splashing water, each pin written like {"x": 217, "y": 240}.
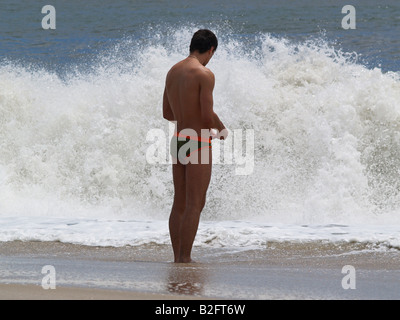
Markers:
{"x": 327, "y": 135}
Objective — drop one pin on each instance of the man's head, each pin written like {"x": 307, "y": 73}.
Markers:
{"x": 204, "y": 42}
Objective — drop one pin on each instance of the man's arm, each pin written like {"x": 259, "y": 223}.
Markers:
{"x": 167, "y": 111}
{"x": 209, "y": 117}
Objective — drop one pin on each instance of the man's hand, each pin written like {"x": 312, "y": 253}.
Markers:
{"x": 215, "y": 134}
{"x": 223, "y": 134}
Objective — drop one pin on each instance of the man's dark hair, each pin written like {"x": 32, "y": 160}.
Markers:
{"x": 203, "y": 40}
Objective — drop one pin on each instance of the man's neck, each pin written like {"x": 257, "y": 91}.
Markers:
{"x": 199, "y": 57}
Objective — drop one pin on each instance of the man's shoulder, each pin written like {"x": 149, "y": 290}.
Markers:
{"x": 174, "y": 68}
{"x": 200, "y": 73}
{"x": 206, "y": 74}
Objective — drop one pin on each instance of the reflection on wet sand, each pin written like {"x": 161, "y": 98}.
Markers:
{"x": 186, "y": 279}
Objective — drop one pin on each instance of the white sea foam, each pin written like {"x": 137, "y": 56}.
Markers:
{"x": 231, "y": 235}
{"x": 327, "y": 145}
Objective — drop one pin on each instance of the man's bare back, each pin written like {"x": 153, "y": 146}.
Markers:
{"x": 189, "y": 90}
{"x": 188, "y": 100}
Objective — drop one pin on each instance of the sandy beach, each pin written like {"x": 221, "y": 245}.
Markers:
{"x": 283, "y": 270}
{"x": 36, "y": 292}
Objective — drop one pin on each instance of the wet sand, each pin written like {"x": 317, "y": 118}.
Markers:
{"x": 282, "y": 270}
{"x": 36, "y": 292}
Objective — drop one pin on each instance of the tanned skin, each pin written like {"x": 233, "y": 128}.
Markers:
{"x": 188, "y": 101}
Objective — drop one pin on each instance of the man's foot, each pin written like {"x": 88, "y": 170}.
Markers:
{"x": 185, "y": 260}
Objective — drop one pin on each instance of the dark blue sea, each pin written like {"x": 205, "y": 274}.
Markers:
{"x": 86, "y": 28}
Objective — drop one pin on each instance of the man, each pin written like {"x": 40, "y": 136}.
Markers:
{"x": 188, "y": 101}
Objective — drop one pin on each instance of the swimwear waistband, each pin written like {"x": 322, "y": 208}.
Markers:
{"x": 176, "y": 134}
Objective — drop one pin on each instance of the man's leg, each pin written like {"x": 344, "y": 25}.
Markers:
{"x": 197, "y": 181}
{"x": 178, "y": 207}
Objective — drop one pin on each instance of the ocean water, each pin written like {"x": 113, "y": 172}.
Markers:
{"x": 77, "y": 104}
